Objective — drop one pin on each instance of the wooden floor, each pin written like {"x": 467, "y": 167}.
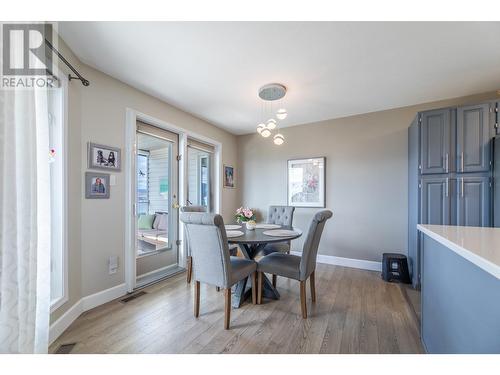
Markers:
{"x": 355, "y": 312}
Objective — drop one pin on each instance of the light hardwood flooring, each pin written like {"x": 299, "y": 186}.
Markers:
{"x": 355, "y": 312}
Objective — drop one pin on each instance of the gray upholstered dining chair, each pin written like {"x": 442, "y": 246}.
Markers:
{"x": 189, "y": 258}
{"x": 213, "y": 264}
{"x": 297, "y": 267}
{"x": 281, "y": 215}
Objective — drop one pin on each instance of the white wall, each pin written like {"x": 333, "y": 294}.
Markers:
{"x": 366, "y": 177}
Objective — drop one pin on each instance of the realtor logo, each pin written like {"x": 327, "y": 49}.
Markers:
{"x": 25, "y": 51}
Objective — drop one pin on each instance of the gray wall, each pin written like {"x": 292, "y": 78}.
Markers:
{"x": 97, "y": 113}
{"x": 366, "y": 177}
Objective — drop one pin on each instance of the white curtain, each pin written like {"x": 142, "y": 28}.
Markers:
{"x": 24, "y": 221}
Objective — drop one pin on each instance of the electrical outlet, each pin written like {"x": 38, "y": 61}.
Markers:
{"x": 112, "y": 264}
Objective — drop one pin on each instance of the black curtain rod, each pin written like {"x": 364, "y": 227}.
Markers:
{"x": 70, "y": 77}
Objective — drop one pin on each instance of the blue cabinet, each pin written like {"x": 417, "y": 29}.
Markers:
{"x": 474, "y": 200}
{"x": 435, "y": 141}
{"x": 436, "y": 200}
{"x": 473, "y": 138}
{"x": 449, "y": 170}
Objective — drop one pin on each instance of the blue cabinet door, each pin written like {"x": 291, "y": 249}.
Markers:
{"x": 435, "y": 200}
{"x": 473, "y": 138}
{"x": 474, "y": 202}
{"x": 436, "y": 141}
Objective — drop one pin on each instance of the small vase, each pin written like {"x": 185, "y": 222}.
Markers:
{"x": 250, "y": 225}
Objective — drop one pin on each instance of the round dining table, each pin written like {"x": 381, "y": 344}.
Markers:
{"x": 252, "y": 244}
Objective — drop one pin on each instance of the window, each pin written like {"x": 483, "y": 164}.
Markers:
{"x": 57, "y": 119}
{"x": 142, "y": 183}
{"x": 204, "y": 180}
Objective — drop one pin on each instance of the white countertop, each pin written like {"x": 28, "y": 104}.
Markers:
{"x": 480, "y": 246}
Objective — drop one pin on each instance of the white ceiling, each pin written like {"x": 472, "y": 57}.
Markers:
{"x": 331, "y": 69}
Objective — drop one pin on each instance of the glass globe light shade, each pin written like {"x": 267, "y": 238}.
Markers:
{"x": 279, "y": 139}
{"x": 271, "y": 124}
{"x": 281, "y": 114}
{"x": 265, "y": 132}
{"x": 260, "y": 127}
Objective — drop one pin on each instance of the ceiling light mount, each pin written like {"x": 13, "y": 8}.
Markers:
{"x": 272, "y": 91}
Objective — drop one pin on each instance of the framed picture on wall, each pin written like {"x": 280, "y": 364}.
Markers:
{"x": 229, "y": 180}
{"x": 306, "y": 182}
{"x": 96, "y": 185}
{"x": 103, "y": 157}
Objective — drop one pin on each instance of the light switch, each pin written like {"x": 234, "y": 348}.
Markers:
{"x": 112, "y": 180}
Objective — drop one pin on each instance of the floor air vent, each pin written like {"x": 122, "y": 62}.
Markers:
{"x": 65, "y": 348}
{"x": 132, "y": 297}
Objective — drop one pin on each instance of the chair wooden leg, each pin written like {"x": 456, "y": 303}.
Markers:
{"x": 227, "y": 307}
{"x": 259, "y": 288}
{"x": 303, "y": 305}
{"x": 254, "y": 288}
{"x": 275, "y": 281}
{"x": 197, "y": 299}
{"x": 189, "y": 264}
{"x": 312, "y": 281}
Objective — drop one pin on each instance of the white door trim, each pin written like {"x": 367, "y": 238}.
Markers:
{"x": 131, "y": 118}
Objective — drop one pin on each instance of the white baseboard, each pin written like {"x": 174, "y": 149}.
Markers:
{"x": 60, "y": 325}
{"x": 97, "y": 299}
{"x": 346, "y": 262}
{"x": 86, "y": 303}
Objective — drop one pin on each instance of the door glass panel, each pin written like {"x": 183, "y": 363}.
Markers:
{"x": 153, "y": 198}
{"x": 199, "y": 178}
{"x": 156, "y": 212}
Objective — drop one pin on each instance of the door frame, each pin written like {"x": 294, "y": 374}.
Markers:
{"x": 131, "y": 118}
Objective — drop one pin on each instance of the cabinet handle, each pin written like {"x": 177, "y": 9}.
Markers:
{"x": 462, "y": 187}
{"x": 447, "y": 187}
{"x": 462, "y": 161}
{"x": 447, "y": 161}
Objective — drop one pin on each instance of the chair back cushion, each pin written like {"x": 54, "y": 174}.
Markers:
{"x": 207, "y": 239}
{"x": 311, "y": 243}
{"x": 282, "y": 215}
{"x": 192, "y": 209}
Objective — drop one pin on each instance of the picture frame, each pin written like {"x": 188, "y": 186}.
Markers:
{"x": 97, "y": 185}
{"x": 229, "y": 180}
{"x": 103, "y": 157}
{"x": 306, "y": 182}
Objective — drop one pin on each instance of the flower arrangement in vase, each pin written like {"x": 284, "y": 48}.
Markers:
{"x": 246, "y": 215}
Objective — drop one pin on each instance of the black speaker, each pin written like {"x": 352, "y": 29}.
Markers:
{"x": 395, "y": 268}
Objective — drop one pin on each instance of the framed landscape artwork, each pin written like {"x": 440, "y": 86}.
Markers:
{"x": 103, "y": 157}
{"x": 306, "y": 182}
{"x": 229, "y": 177}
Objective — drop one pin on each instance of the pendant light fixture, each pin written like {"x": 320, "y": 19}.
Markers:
{"x": 270, "y": 93}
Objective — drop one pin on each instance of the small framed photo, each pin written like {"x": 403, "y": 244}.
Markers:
{"x": 104, "y": 157}
{"x": 229, "y": 180}
{"x": 96, "y": 185}
{"x": 306, "y": 182}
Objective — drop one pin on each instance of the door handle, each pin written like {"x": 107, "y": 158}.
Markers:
{"x": 462, "y": 187}
{"x": 447, "y": 162}
{"x": 462, "y": 161}
{"x": 447, "y": 187}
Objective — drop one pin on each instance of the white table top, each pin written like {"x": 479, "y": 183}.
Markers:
{"x": 480, "y": 246}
